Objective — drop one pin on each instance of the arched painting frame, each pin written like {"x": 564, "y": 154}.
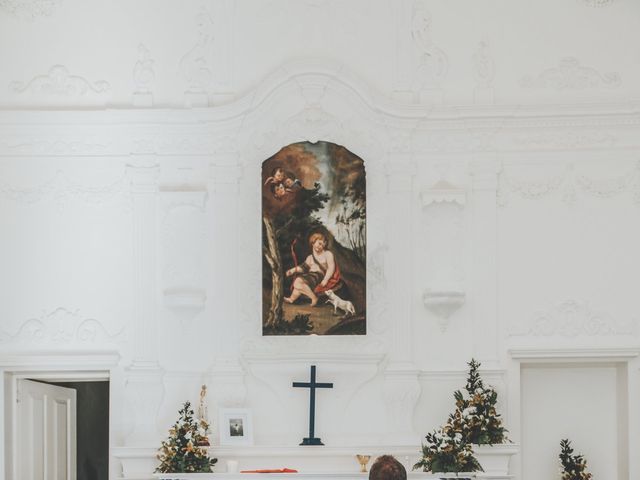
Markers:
{"x": 314, "y": 241}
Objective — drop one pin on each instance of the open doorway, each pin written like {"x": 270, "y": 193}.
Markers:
{"x": 60, "y": 425}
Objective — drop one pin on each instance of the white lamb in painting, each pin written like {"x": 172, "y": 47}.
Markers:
{"x": 338, "y": 303}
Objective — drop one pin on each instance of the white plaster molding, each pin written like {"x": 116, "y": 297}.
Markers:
{"x": 183, "y": 238}
{"x": 554, "y": 355}
{"x": 484, "y": 68}
{"x": 571, "y": 318}
{"x": 228, "y": 377}
{"x": 58, "y": 82}
{"x": 401, "y": 390}
{"x": 44, "y": 360}
{"x": 443, "y": 304}
{"x": 62, "y": 326}
{"x": 433, "y": 63}
{"x": 400, "y": 171}
{"x": 143, "y": 77}
{"x": 59, "y": 190}
{"x": 38, "y": 146}
{"x": 570, "y": 75}
{"x": 144, "y": 393}
{"x": 569, "y": 139}
{"x": 443, "y": 192}
{"x": 377, "y": 293}
{"x": 484, "y": 73}
{"x": 311, "y": 346}
{"x": 566, "y": 182}
{"x": 597, "y": 3}
{"x": 29, "y": 9}
{"x": 197, "y": 64}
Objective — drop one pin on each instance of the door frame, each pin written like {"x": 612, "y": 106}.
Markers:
{"x": 63, "y": 366}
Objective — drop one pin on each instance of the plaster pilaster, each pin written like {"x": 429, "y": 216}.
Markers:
{"x": 484, "y": 171}
{"x": 143, "y": 388}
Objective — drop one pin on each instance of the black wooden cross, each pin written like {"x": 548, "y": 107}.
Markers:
{"x": 312, "y": 385}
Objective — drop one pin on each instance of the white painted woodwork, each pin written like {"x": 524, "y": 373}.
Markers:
{"x": 46, "y": 431}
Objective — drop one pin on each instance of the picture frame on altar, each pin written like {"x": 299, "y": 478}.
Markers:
{"x": 236, "y": 427}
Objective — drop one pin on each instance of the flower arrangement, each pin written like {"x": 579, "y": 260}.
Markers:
{"x": 573, "y": 466}
{"x": 480, "y": 424}
{"x": 182, "y": 451}
{"x": 446, "y": 450}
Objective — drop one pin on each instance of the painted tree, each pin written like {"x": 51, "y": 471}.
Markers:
{"x": 291, "y": 212}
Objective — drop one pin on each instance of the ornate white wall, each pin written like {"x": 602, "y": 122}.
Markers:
{"x": 502, "y": 147}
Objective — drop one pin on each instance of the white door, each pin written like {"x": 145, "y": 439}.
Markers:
{"x": 46, "y": 433}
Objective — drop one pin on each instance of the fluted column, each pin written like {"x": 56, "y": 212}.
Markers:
{"x": 226, "y": 373}
{"x": 144, "y": 389}
{"x": 401, "y": 388}
{"x": 484, "y": 171}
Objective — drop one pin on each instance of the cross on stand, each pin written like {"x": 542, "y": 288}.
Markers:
{"x": 312, "y": 385}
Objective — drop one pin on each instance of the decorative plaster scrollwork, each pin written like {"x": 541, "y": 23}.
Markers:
{"x": 597, "y": 3}
{"x": 568, "y": 183}
{"x": 570, "y": 75}
{"x": 60, "y": 190}
{"x": 62, "y": 326}
{"x": 29, "y": 9}
{"x": 59, "y": 82}
{"x": 571, "y": 318}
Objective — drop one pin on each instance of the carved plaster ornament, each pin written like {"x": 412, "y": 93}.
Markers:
{"x": 196, "y": 63}
{"x": 59, "y": 82}
{"x": 597, "y": 3}
{"x": 570, "y": 75}
{"x": 443, "y": 303}
{"x": 29, "y": 9}
{"x": 432, "y": 62}
{"x": 143, "y": 74}
{"x": 484, "y": 68}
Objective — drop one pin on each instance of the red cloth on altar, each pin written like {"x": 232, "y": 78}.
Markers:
{"x": 271, "y": 470}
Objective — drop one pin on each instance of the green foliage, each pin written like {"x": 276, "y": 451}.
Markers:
{"x": 300, "y": 325}
{"x": 481, "y": 424}
{"x": 573, "y": 466}
{"x": 445, "y": 450}
{"x": 183, "y": 451}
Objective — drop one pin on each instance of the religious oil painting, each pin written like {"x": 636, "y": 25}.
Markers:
{"x": 314, "y": 241}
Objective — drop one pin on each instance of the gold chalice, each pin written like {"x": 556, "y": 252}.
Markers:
{"x": 363, "y": 460}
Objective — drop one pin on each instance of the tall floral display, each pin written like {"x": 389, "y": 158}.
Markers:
{"x": 183, "y": 451}
{"x": 574, "y": 467}
{"x": 474, "y": 421}
{"x": 481, "y": 423}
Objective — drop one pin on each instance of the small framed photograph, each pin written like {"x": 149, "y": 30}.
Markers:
{"x": 236, "y": 426}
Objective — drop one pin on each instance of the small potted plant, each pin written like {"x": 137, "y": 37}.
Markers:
{"x": 184, "y": 450}
{"x": 481, "y": 424}
{"x": 574, "y": 467}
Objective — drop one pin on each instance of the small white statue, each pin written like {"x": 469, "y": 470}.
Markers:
{"x": 203, "y": 413}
